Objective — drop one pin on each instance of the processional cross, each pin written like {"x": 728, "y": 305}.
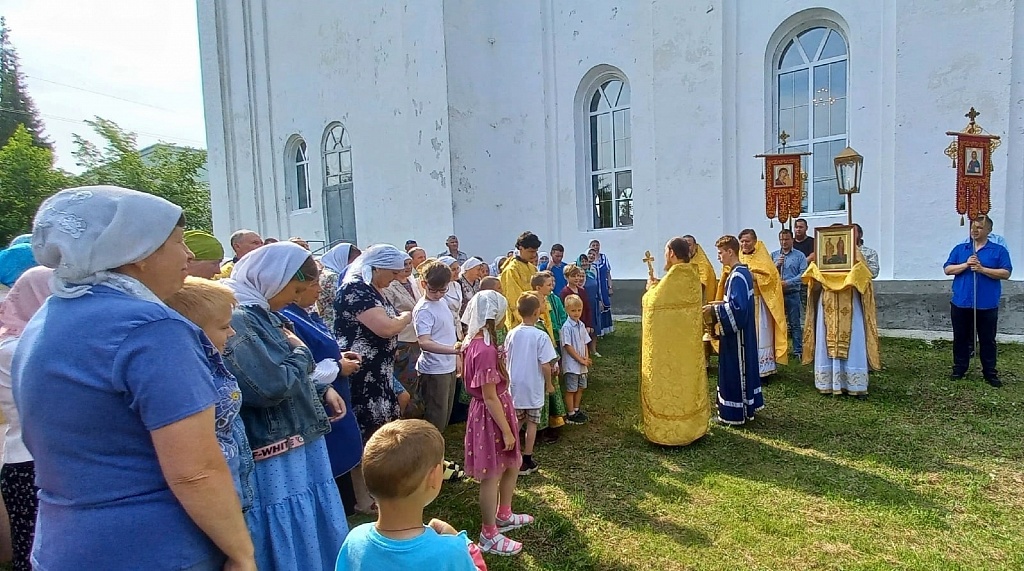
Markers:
{"x": 649, "y": 260}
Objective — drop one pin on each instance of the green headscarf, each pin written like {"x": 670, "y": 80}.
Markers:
{"x": 204, "y": 245}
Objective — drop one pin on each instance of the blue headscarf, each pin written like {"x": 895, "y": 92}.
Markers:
{"x": 14, "y": 261}
{"x": 23, "y": 239}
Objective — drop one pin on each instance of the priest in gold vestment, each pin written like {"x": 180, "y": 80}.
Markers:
{"x": 772, "y": 334}
{"x": 841, "y": 330}
{"x": 673, "y": 380}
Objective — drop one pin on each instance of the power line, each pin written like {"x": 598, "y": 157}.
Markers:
{"x": 69, "y": 86}
{"x": 80, "y": 122}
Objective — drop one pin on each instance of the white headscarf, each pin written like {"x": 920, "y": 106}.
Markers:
{"x": 485, "y": 305}
{"x": 470, "y": 264}
{"x": 496, "y": 266}
{"x": 448, "y": 261}
{"x": 84, "y": 233}
{"x": 336, "y": 259}
{"x": 380, "y": 256}
{"x": 263, "y": 273}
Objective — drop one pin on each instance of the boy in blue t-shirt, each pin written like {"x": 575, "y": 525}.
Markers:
{"x": 402, "y": 466}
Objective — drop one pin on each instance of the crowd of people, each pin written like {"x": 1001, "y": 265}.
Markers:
{"x": 246, "y": 406}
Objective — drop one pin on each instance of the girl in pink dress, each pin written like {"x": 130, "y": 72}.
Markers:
{"x": 492, "y": 445}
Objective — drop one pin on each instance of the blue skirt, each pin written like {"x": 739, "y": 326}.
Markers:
{"x": 297, "y": 520}
{"x": 344, "y": 441}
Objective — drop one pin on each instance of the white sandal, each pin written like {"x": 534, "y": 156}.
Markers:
{"x": 500, "y": 545}
{"x": 514, "y": 522}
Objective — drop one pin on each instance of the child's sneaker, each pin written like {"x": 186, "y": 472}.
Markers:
{"x": 514, "y": 522}
{"x": 581, "y": 417}
{"x": 528, "y": 467}
{"x": 574, "y": 418}
{"x": 500, "y": 545}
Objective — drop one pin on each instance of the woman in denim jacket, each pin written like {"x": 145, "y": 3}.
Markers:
{"x": 297, "y": 519}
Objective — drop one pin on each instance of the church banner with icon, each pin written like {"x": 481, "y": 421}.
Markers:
{"x": 783, "y": 186}
{"x": 971, "y": 153}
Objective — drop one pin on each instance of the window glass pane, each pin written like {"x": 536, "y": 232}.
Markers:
{"x": 332, "y": 163}
{"x": 623, "y": 96}
{"x": 838, "y": 112}
{"x": 826, "y": 196}
{"x": 623, "y": 185}
{"x": 611, "y": 91}
{"x": 786, "y": 94}
{"x": 821, "y": 120}
{"x": 787, "y": 122}
{"x": 344, "y": 137}
{"x": 837, "y": 83}
{"x": 622, "y": 141}
{"x": 300, "y": 153}
{"x": 346, "y": 162}
{"x": 835, "y": 46}
{"x": 823, "y": 165}
{"x": 596, "y": 102}
{"x": 601, "y": 141}
{"x": 821, "y": 86}
{"x": 790, "y": 57}
{"x": 801, "y": 122}
{"x": 810, "y": 40}
{"x": 625, "y": 213}
{"x": 301, "y": 187}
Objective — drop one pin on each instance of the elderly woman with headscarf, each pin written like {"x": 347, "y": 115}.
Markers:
{"x": 403, "y": 293}
{"x": 297, "y": 520}
{"x": 369, "y": 324}
{"x": 473, "y": 271}
{"x": 17, "y": 478}
{"x": 131, "y": 476}
{"x": 334, "y": 263}
{"x": 207, "y": 254}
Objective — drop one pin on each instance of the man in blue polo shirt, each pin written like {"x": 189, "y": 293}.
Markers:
{"x": 986, "y": 264}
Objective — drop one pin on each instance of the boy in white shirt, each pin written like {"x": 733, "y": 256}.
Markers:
{"x": 530, "y": 355}
{"x": 575, "y": 358}
{"x": 439, "y": 361}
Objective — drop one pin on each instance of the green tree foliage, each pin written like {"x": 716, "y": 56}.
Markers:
{"x": 16, "y": 107}
{"x": 27, "y": 177}
{"x": 170, "y": 172}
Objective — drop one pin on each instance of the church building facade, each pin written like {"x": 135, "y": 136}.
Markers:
{"x": 627, "y": 121}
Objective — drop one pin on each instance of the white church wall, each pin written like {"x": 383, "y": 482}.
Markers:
{"x": 378, "y": 69}
{"x": 910, "y": 80}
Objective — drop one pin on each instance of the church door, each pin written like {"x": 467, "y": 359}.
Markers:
{"x": 340, "y": 213}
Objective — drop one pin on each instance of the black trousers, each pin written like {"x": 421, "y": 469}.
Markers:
{"x": 963, "y": 339}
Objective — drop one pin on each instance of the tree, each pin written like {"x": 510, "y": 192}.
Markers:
{"x": 16, "y": 107}
{"x": 170, "y": 171}
{"x": 27, "y": 177}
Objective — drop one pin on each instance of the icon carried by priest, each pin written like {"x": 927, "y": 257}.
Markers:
{"x": 673, "y": 380}
{"x": 841, "y": 329}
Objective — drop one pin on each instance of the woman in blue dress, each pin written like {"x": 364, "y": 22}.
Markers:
{"x": 593, "y": 292}
{"x": 603, "y": 272}
{"x": 297, "y": 520}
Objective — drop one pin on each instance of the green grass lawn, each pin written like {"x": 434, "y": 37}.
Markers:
{"x": 926, "y": 474}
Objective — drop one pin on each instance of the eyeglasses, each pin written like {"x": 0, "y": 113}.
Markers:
{"x": 432, "y": 290}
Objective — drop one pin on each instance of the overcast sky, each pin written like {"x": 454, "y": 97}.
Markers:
{"x": 135, "y": 62}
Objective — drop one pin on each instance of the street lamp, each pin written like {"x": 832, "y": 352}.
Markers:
{"x": 848, "y": 170}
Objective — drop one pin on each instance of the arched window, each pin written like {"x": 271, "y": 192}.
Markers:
{"x": 338, "y": 195}
{"x": 337, "y": 156}
{"x": 810, "y": 105}
{"x": 609, "y": 153}
{"x": 298, "y": 171}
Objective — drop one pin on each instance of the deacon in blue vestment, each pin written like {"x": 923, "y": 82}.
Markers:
{"x": 739, "y": 383}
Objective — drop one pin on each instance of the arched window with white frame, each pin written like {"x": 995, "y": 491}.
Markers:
{"x": 298, "y": 175}
{"x": 609, "y": 152}
{"x": 810, "y": 85}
